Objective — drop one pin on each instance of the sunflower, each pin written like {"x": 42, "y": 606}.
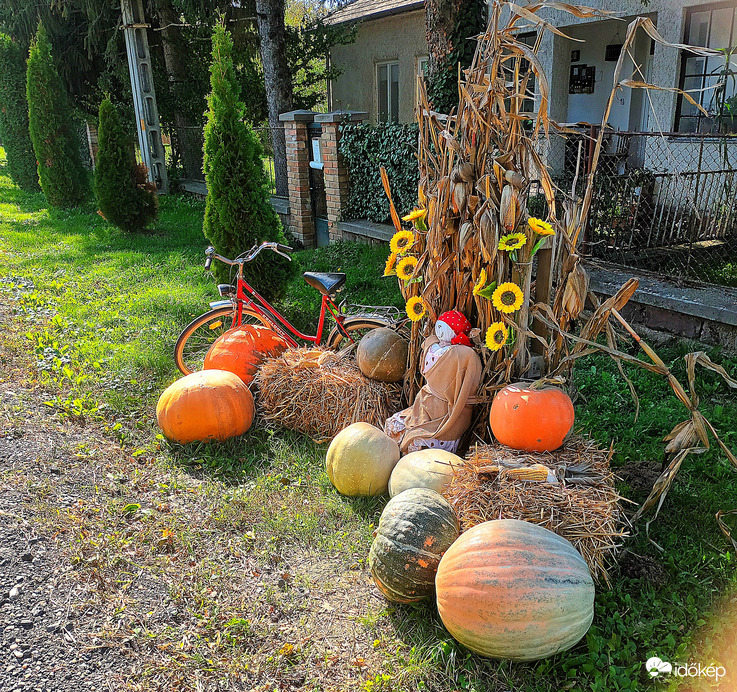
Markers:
{"x": 540, "y": 227}
{"x": 507, "y": 297}
{"x": 405, "y": 267}
{"x": 416, "y": 308}
{"x": 390, "y": 269}
{"x": 401, "y": 242}
{"x": 496, "y": 336}
{"x": 512, "y": 241}
{"x": 415, "y": 214}
{"x": 480, "y": 283}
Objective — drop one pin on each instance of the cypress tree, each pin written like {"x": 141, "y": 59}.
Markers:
{"x": 14, "y": 116}
{"x": 238, "y": 211}
{"x": 124, "y": 196}
{"x": 63, "y": 179}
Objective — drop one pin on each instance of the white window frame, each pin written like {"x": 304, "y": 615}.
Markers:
{"x": 388, "y": 64}
{"x": 422, "y": 60}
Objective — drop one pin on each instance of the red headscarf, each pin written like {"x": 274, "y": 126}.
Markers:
{"x": 459, "y": 324}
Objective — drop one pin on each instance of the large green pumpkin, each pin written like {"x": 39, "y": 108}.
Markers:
{"x": 382, "y": 355}
{"x": 416, "y": 528}
{"x": 512, "y": 589}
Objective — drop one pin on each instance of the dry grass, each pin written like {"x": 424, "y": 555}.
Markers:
{"x": 589, "y": 515}
{"x": 320, "y": 392}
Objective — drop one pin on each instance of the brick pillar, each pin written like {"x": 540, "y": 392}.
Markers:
{"x": 301, "y": 220}
{"x": 336, "y": 176}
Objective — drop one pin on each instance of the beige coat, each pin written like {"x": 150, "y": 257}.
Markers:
{"x": 441, "y": 410}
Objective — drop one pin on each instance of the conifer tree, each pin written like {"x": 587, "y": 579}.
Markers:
{"x": 238, "y": 211}
{"x": 14, "y": 116}
{"x": 124, "y": 196}
{"x": 63, "y": 178}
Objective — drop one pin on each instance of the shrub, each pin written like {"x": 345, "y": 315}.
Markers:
{"x": 365, "y": 148}
{"x": 14, "y": 116}
{"x": 238, "y": 211}
{"x": 124, "y": 196}
{"x": 63, "y": 179}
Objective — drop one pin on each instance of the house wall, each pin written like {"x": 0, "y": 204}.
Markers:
{"x": 397, "y": 38}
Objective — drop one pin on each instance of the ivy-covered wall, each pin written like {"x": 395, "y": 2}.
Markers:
{"x": 365, "y": 148}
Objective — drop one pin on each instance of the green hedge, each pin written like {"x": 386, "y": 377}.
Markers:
{"x": 365, "y": 148}
{"x": 14, "y": 116}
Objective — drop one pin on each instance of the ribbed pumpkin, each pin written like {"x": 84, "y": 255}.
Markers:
{"x": 428, "y": 468}
{"x": 382, "y": 355}
{"x": 242, "y": 349}
{"x": 415, "y": 529}
{"x": 512, "y": 589}
{"x": 360, "y": 460}
{"x": 532, "y": 420}
{"x": 205, "y": 405}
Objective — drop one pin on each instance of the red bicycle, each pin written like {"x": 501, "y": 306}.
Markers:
{"x": 244, "y": 305}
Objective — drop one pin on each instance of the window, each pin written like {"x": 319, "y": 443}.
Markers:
{"x": 528, "y": 104}
{"x": 712, "y": 28}
{"x": 423, "y": 67}
{"x": 387, "y": 86}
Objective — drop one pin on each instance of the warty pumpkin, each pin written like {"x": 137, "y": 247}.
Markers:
{"x": 205, "y": 405}
{"x": 531, "y": 420}
{"x": 416, "y": 527}
{"x": 360, "y": 460}
{"x": 512, "y": 589}
{"x": 242, "y": 349}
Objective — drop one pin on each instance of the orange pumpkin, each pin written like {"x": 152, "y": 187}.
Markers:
{"x": 532, "y": 420}
{"x": 242, "y": 349}
{"x": 511, "y": 589}
{"x": 206, "y": 405}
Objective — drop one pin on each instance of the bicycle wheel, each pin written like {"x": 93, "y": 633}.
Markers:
{"x": 356, "y": 327}
{"x": 195, "y": 340}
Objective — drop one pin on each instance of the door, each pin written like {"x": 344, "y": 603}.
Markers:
{"x": 317, "y": 187}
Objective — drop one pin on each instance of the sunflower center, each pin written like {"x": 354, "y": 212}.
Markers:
{"x": 499, "y": 336}
{"x": 508, "y": 298}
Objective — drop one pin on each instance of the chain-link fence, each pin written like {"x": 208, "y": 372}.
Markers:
{"x": 662, "y": 202}
{"x": 275, "y": 169}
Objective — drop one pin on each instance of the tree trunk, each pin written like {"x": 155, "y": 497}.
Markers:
{"x": 270, "y": 15}
{"x": 440, "y": 20}
{"x": 189, "y": 134}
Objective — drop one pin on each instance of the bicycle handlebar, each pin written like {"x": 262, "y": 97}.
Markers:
{"x": 278, "y": 248}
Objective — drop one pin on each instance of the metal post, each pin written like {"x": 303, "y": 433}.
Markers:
{"x": 144, "y": 96}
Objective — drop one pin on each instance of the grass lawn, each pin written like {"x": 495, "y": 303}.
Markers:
{"x": 100, "y": 311}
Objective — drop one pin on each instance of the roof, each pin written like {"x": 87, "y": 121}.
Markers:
{"x": 371, "y": 9}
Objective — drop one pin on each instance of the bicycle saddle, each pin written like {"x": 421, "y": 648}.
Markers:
{"x": 327, "y": 284}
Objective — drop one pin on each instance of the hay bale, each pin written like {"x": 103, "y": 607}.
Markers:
{"x": 320, "y": 392}
{"x": 588, "y": 514}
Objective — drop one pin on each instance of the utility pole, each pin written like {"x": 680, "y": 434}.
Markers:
{"x": 144, "y": 95}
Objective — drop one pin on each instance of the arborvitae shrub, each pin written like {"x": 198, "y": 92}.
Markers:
{"x": 14, "y": 116}
{"x": 124, "y": 195}
{"x": 63, "y": 178}
{"x": 238, "y": 211}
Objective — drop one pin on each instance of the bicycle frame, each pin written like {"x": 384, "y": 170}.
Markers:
{"x": 246, "y": 296}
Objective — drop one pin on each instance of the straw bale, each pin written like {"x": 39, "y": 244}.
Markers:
{"x": 588, "y": 515}
{"x": 320, "y": 392}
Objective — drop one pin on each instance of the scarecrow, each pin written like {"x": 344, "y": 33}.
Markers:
{"x": 442, "y": 410}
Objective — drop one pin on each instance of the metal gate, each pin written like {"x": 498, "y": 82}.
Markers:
{"x": 317, "y": 186}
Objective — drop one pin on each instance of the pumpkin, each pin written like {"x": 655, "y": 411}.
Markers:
{"x": 382, "y": 355}
{"x": 512, "y": 589}
{"x": 242, "y": 349}
{"x": 205, "y": 405}
{"x": 428, "y": 468}
{"x": 360, "y": 460}
{"x": 531, "y": 420}
{"x": 416, "y": 527}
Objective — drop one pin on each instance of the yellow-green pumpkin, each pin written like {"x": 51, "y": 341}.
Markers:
{"x": 511, "y": 589}
{"x": 360, "y": 460}
{"x": 427, "y": 468}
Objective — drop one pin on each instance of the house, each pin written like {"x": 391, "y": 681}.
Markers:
{"x": 379, "y": 70}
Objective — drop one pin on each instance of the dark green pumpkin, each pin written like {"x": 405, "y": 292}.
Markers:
{"x": 416, "y": 527}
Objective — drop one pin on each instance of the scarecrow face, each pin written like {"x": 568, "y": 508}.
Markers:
{"x": 444, "y": 331}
